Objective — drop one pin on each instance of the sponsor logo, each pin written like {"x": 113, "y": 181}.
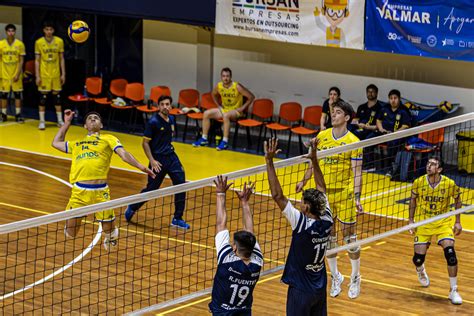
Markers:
{"x": 448, "y": 42}
{"x": 394, "y": 36}
{"x": 462, "y": 44}
{"x": 431, "y": 41}
{"x": 453, "y": 20}
{"x": 403, "y": 13}
{"x": 414, "y": 39}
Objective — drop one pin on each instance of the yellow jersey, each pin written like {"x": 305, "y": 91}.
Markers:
{"x": 432, "y": 201}
{"x": 231, "y": 98}
{"x": 337, "y": 169}
{"x": 91, "y": 156}
{"x": 10, "y": 56}
{"x": 49, "y": 52}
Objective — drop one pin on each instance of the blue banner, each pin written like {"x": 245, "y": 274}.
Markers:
{"x": 431, "y": 28}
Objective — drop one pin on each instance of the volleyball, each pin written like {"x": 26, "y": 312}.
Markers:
{"x": 78, "y": 31}
{"x": 445, "y": 106}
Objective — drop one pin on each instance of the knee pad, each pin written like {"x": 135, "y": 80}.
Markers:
{"x": 418, "y": 259}
{"x": 57, "y": 98}
{"x": 349, "y": 240}
{"x": 4, "y": 95}
{"x": 450, "y": 256}
{"x": 332, "y": 242}
{"x": 43, "y": 99}
{"x": 18, "y": 95}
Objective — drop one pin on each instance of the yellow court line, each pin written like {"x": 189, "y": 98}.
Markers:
{"x": 209, "y": 297}
{"x": 134, "y": 231}
{"x": 380, "y": 243}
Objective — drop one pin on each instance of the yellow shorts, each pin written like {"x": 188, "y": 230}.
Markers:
{"x": 50, "y": 84}
{"x": 88, "y": 194}
{"x": 226, "y": 110}
{"x": 424, "y": 234}
{"x": 7, "y": 85}
{"x": 342, "y": 204}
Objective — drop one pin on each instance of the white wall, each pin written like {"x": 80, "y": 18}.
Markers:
{"x": 170, "y": 64}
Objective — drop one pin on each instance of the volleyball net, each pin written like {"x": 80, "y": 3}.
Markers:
{"x": 155, "y": 265}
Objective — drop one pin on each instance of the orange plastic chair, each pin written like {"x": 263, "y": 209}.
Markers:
{"x": 94, "y": 85}
{"x": 117, "y": 89}
{"x": 157, "y": 91}
{"x": 435, "y": 137}
{"x": 312, "y": 116}
{"x": 262, "y": 109}
{"x": 289, "y": 112}
{"x": 188, "y": 98}
{"x": 207, "y": 102}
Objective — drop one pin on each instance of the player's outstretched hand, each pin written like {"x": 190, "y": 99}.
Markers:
{"x": 149, "y": 172}
{"x": 155, "y": 165}
{"x": 245, "y": 194}
{"x": 457, "y": 229}
{"x": 313, "y": 149}
{"x": 300, "y": 186}
{"x": 68, "y": 115}
{"x": 221, "y": 184}
{"x": 359, "y": 208}
{"x": 270, "y": 148}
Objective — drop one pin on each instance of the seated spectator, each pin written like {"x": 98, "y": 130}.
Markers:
{"x": 365, "y": 121}
{"x": 392, "y": 118}
{"x": 333, "y": 97}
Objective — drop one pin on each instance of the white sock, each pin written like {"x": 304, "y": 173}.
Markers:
{"x": 332, "y": 263}
{"x": 17, "y": 111}
{"x": 453, "y": 282}
{"x": 226, "y": 139}
{"x": 60, "y": 116}
{"x": 355, "y": 263}
{"x": 41, "y": 114}
{"x": 204, "y": 136}
{"x": 4, "y": 111}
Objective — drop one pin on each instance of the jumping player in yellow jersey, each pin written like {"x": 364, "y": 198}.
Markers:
{"x": 50, "y": 71}
{"x": 343, "y": 176}
{"x": 230, "y": 108}
{"x": 431, "y": 195}
{"x": 91, "y": 157}
{"x": 12, "y": 52}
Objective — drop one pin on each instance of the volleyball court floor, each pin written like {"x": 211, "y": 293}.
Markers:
{"x": 389, "y": 281}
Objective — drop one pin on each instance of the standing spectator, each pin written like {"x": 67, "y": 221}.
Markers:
{"x": 392, "y": 118}
{"x": 50, "y": 71}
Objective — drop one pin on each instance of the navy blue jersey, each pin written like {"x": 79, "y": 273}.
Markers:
{"x": 160, "y": 133}
{"x": 305, "y": 268}
{"x": 367, "y": 115}
{"x": 394, "y": 120}
{"x": 234, "y": 281}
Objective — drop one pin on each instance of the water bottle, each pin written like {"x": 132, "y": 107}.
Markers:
{"x": 84, "y": 93}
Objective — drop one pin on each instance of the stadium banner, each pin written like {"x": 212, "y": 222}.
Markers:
{"x": 334, "y": 23}
{"x": 431, "y": 28}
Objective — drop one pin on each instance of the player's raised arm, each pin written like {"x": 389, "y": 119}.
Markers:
{"x": 318, "y": 174}
{"x": 221, "y": 215}
{"x": 128, "y": 158}
{"x": 271, "y": 149}
{"x": 58, "y": 141}
{"x": 247, "y": 215}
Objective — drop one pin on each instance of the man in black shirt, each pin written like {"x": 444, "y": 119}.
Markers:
{"x": 163, "y": 160}
{"x": 364, "y": 123}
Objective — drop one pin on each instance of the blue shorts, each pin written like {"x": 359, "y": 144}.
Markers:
{"x": 300, "y": 303}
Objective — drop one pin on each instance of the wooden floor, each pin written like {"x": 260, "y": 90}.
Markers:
{"x": 155, "y": 263}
